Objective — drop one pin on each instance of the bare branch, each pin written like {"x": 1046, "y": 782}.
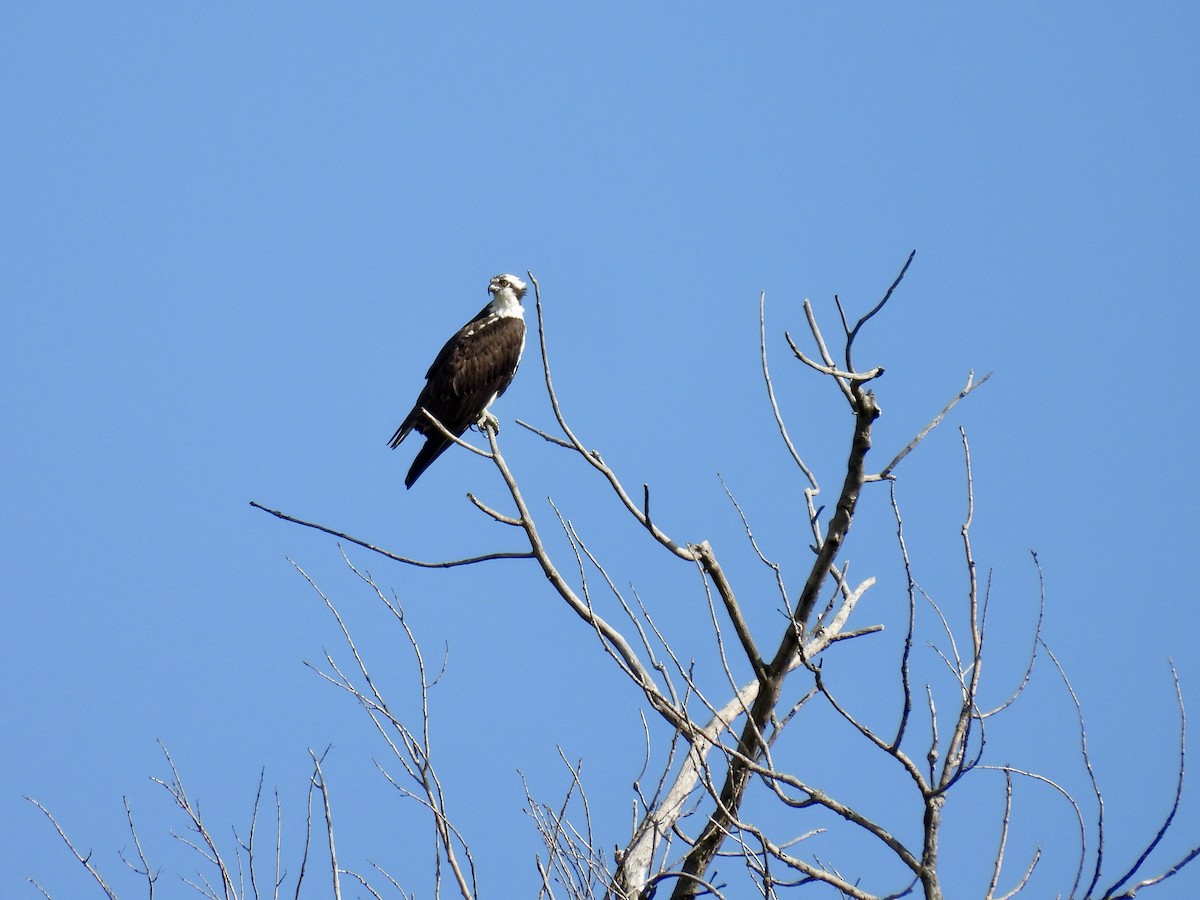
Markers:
{"x": 853, "y": 333}
{"x": 905, "y": 656}
{"x": 84, "y": 859}
{"x": 449, "y": 435}
{"x": 1037, "y": 639}
{"x": 641, "y": 675}
{"x": 572, "y": 855}
{"x": 1157, "y": 879}
{"x": 869, "y": 375}
{"x": 593, "y": 456}
{"x": 207, "y": 849}
{"x": 952, "y": 766}
{"x": 896, "y": 753}
{"x": 750, "y": 743}
{"x": 359, "y": 878}
{"x": 1066, "y": 795}
{"x": 842, "y": 384}
{"x": 707, "y": 560}
{"x": 1087, "y": 762}
{"x": 1020, "y": 885}
{"x": 692, "y": 882}
{"x": 318, "y": 782}
{"x": 546, "y": 436}
{"x": 887, "y": 470}
{"x": 999, "y": 861}
{"x": 487, "y": 510}
{"x": 773, "y": 566}
{"x": 766, "y": 370}
{"x": 411, "y": 750}
{"x": 660, "y": 820}
{"x": 1166, "y": 825}
{"x": 144, "y": 868}
{"x": 448, "y": 564}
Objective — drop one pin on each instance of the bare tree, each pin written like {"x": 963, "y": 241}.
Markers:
{"x": 718, "y": 789}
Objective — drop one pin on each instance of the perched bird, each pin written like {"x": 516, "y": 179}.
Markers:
{"x": 472, "y": 370}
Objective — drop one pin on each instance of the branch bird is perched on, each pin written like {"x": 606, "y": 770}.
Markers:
{"x": 474, "y": 368}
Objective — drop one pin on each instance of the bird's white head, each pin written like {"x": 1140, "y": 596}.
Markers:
{"x": 501, "y": 284}
{"x": 506, "y": 291}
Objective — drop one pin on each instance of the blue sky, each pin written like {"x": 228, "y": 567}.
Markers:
{"x": 235, "y": 235}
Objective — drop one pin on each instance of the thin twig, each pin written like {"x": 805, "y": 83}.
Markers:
{"x": 208, "y": 851}
{"x": 1096, "y": 792}
{"x": 1037, "y": 638}
{"x": 766, "y": 370}
{"x": 905, "y": 656}
{"x": 318, "y": 781}
{"x": 448, "y": 434}
{"x": 84, "y": 860}
{"x": 853, "y": 333}
{"x": 859, "y": 377}
{"x": 488, "y": 511}
{"x": 151, "y": 876}
{"x": 887, "y": 470}
{"x": 592, "y": 457}
{"x": 998, "y": 863}
{"x": 445, "y": 564}
{"x": 1166, "y": 825}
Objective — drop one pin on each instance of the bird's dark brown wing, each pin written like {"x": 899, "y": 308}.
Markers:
{"x": 473, "y": 368}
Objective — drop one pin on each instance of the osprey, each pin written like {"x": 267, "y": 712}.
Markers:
{"x": 471, "y": 371}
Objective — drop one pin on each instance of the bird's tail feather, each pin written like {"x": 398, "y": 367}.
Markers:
{"x": 434, "y": 447}
{"x": 401, "y": 434}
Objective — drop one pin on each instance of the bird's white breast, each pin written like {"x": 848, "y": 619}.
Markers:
{"x": 505, "y": 305}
